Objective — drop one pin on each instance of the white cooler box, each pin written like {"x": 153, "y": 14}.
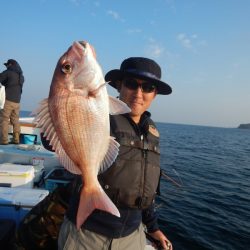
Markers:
{"x": 15, "y": 203}
{"x": 15, "y": 175}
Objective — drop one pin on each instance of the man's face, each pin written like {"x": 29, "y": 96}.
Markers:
{"x": 138, "y": 95}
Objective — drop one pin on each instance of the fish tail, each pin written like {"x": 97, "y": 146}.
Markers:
{"x": 89, "y": 201}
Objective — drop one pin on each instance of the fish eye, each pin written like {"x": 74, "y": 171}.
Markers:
{"x": 66, "y": 68}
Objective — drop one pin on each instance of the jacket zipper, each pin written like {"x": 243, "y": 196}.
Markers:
{"x": 144, "y": 154}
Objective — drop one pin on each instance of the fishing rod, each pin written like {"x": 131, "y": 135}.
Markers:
{"x": 170, "y": 179}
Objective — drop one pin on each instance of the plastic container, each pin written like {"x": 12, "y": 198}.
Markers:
{"x": 15, "y": 203}
{"x": 29, "y": 139}
{"x": 16, "y": 175}
{"x": 57, "y": 177}
{"x": 39, "y": 171}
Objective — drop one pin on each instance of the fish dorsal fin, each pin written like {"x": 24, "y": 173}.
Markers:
{"x": 117, "y": 107}
{"x": 110, "y": 155}
{"x": 44, "y": 122}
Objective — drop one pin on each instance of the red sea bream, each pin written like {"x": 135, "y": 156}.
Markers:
{"x": 75, "y": 119}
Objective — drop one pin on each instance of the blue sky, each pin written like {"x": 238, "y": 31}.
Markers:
{"x": 203, "y": 47}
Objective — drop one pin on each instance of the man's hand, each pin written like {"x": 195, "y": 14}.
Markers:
{"x": 165, "y": 243}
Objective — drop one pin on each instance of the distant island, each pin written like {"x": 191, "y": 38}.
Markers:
{"x": 245, "y": 126}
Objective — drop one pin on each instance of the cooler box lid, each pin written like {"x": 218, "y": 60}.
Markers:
{"x": 10, "y": 169}
{"x": 21, "y": 196}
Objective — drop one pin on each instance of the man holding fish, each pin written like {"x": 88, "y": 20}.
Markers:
{"x": 116, "y": 157}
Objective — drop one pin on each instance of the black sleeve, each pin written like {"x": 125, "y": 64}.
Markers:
{"x": 150, "y": 219}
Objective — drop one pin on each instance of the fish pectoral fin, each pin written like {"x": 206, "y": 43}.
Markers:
{"x": 117, "y": 107}
{"x": 110, "y": 156}
{"x": 89, "y": 201}
{"x": 94, "y": 92}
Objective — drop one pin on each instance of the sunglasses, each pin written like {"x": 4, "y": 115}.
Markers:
{"x": 146, "y": 87}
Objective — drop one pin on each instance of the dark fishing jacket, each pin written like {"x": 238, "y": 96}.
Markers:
{"x": 131, "y": 182}
{"x": 13, "y": 80}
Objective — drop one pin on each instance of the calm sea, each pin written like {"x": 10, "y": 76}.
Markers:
{"x": 211, "y": 209}
{"x": 25, "y": 113}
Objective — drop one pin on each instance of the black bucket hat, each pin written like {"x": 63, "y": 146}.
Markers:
{"x": 141, "y": 68}
{"x": 10, "y": 61}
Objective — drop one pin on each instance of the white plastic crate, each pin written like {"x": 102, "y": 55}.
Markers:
{"x": 17, "y": 175}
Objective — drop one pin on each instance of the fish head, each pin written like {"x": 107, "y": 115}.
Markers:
{"x": 77, "y": 70}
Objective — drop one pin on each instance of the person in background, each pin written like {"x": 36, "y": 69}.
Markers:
{"x": 12, "y": 78}
{"x": 132, "y": 181}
